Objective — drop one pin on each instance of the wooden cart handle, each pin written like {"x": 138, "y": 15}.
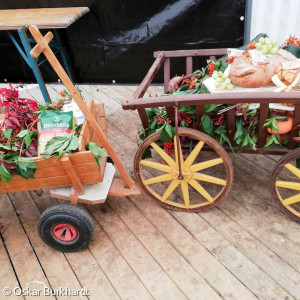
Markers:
{"x": 43, "y": 47}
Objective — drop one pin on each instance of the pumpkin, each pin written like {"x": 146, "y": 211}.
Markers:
{"x": 283, "y": 126}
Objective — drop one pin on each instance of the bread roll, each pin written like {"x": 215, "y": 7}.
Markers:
{"x": 254, "y": 69}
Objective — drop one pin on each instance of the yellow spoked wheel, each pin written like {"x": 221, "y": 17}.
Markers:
{"x": 285, "y": 185}
{"x": 205, "y": 177}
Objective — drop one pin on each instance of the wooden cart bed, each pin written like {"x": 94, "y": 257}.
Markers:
{"x": 163, "y": 58}
{"x": 70, "y": 170}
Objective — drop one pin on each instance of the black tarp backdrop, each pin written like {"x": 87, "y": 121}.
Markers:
{"x": 117, "y": 38}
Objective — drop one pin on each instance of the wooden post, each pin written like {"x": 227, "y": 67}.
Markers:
{"x": 167, "y": 72}
{"x": 65, "y": 160}
{"x": 189, "y": 65}
{"x": 43, "y": 47}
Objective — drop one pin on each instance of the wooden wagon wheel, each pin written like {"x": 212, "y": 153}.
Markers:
{"x": 199, "y": 188}
{"x": 284, "y": 185}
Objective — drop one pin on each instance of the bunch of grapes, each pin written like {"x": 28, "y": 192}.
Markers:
{"x": 267, "y": 46}
{"x": 222, "y": 81}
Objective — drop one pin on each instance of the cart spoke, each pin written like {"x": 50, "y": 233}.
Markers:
{"x": 155, "y": 165}
{"x": 211, "y": 179}
{"x": 293, "y": 169}
{"x": 291, "y": 200}
{"x": 161, "y": 178}
{"x": 185, "y": 193}
{"x": 206, "y": 164}
{"x": 201, "y": 190}
{"x": 288, "y": 185}
{"x": 164, "y": 155}
{"x": 173, "y": 185}
{"x": 178, "y": 148}
{"x": 191, "y": 158}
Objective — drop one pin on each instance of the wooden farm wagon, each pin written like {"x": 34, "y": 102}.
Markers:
{"x": 193, "y": 179}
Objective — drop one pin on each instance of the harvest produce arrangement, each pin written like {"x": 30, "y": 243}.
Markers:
{"x": 30, "y": 130}
{"x": 262, "y": 65}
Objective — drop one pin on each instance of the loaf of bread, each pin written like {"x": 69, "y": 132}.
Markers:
{"x": 254, "y": 69}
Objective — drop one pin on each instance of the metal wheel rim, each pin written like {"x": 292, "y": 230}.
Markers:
{"x": 64, "y": 232}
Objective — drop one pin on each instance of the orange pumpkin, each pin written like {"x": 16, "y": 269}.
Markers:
{"x": 283, "y": 126}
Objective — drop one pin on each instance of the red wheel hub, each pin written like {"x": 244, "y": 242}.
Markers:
{"x": 65, "y": 232}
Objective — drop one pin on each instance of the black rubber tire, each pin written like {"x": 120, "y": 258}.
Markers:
{"x": 77, "y": 217}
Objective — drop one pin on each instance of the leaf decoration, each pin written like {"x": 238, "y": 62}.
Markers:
{"x": 5, "y": 174}
{"x": 60, "y": 145}
{"x": 97, "y": 152}
{"x": 207, "y": 124}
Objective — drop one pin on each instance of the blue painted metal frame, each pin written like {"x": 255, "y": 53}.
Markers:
{"x": 34, "y": 63}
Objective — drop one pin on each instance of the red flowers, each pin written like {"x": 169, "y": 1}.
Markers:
{"x": 62, "y": 93}
{"x": 251, "y": 46}
{"x": 168, "y": 146}
{"x": 160, "y": 120}
{"x": 292, "y": 40}
{"x": 191, "y": 82}
{"x": 211, "y": 68}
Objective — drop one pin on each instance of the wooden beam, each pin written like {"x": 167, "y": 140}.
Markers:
{"x": 196, "y": 52}
{"x": 142, "y": 88}
{"x": 65, "y": 160}
{"x": 82, "y": 105}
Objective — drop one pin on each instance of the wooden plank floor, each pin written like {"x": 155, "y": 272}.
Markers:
{"x": 245, "y": 248}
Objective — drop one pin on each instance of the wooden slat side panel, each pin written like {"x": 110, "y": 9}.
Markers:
{"x": 85, "y": 134}
{"x": 144, "y": 118}
{"x": 196, "y": 52}
{"x": 167, "y": 72}
{"x": 189, "y": 65}
{"x": 141, "y": 90}
{"x": 199, "y": 114}
{"x": 60, "y": 171}
{"x": 231, "y": 125}
{"x": 100, "y": 116}
{"x": 171, "y": 114}
{"x": 46, "y": 183}
{"x": 292, "y": 144}
{"x": 77, "y": 158}
{"x": 215, "y": 98}
{"x": 262, "y": 131}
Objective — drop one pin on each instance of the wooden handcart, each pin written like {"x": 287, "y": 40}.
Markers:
{"x": 75, "y": 177}
{"x": 192, "y": 179}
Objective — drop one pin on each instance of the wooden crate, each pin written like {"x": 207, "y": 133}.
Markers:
{"x": 69, "y": 170}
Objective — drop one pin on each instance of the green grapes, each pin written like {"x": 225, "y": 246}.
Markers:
{"x": 222, "y": 81}
{"x": 267, "y": 46}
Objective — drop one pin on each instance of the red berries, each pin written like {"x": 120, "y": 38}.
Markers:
{"x": 211, "y": 68}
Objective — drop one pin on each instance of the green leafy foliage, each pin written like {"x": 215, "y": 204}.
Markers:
{"x": 26, "y": 167}
{"x": 97, "y": 152}
{"x": 60, "y": 145}
{"x": 245, "y": 134}
{"x": 293, "y": 49}
{"x": 147, "y": 154}
{"x": 167, "y": 133}
{"x": 152, "y": 112}
{"x": 5, "y": 174}
{"x": 273, "y": 141}
{"x": 207, "y": 124}
{"x": 7, "y": 133}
